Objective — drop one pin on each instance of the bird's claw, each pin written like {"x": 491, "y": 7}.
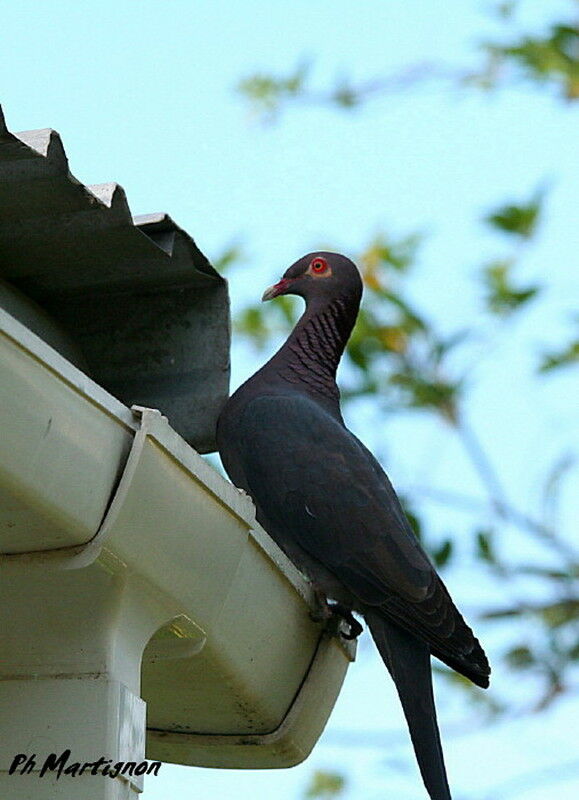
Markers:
{"x": 325, "y": 610}
{"x": 343, "y": 613}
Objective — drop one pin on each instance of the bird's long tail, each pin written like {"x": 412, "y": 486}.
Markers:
{"x": 408, "y": 661}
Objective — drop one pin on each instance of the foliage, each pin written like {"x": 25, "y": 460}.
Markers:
{"x": 398, "y": 357}
{"x": 551, "y": 58}
{"x": 518, "y": 222}
{"x": 266, "y": 92}
{"x": 502, "y": 296}
{"x": 518, "y": 219}
{"x": 565, "y": 356}
{"x": 548, "y": 59}
{"x": 232, "y": 254}
{"x": 325, "y": 785}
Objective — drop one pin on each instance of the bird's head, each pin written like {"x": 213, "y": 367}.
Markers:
{"x": 319, "y": 276}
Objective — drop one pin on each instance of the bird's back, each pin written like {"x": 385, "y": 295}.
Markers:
{"x": 323, "y": 496}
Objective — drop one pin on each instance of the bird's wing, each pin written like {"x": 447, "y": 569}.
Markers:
{"x": 318, "y": 486}
{"x": 312, "y": 478}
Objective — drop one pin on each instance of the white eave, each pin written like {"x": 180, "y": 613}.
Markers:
{"x": 87, "y": 485}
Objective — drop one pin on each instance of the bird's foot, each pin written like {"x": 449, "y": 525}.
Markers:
{"x": 343, "y": 613}
{"x": 324, "y": 610}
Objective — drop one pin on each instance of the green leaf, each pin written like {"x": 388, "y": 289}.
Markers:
{"x": 382, "y": 251}
{"x": 553, "y": 57}
{"x": 559, "y": 613}
{"x": 567, "y": 356}
{"x": 443, "y": 553}
{"x": 484, "y": 546}
{"x": 520, "y": 657}
{"x": 260, "y": 322}
{"x": 424, "y": 392}
{"x": 266, "y": 92}
{"x": 410, "y": 320}
{"x": 518, "y": 220}
{"x": 358, "y": 354}
{"x": 251, "y": 323}
{"x": 326, "y": 784}
{"x": 287, "y": 307}
{"x": 228, "y": 257}
{"x": 502, "y": 297}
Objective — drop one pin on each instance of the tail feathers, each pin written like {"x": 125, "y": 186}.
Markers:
{"x": 408, "y": 661}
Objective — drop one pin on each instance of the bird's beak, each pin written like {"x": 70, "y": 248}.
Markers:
{"x": 276, "y": 289}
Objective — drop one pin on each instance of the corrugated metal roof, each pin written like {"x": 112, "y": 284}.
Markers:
{"x": 140, "y": 301}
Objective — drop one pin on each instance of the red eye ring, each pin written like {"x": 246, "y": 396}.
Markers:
{"x": 319, "y": 265}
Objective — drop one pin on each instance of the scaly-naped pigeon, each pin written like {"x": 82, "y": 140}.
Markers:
{"x": 329, "y": 505}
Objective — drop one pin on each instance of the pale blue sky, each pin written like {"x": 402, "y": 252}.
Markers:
{"x": 143, "y": 94}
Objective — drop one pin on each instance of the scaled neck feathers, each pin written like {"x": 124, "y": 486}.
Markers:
{"x": 310, "y": 357}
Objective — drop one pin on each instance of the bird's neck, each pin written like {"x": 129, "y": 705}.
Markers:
{"x": 310, "y": 357}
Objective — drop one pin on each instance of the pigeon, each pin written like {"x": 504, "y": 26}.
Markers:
{"x": 329, "y": 505}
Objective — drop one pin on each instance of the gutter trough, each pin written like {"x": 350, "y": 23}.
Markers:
{"x": 133, "y": 573}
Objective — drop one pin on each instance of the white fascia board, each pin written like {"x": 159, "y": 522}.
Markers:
{"x": 96, "y": 498}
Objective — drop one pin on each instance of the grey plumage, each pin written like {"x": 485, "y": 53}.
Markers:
{"x": 328, "y": 503}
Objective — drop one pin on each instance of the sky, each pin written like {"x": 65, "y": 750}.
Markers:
{"x": 143, "y": 93}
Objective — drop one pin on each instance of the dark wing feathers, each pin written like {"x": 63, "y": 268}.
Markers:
{"x": 335, "y": 507}
{"x": 341, "y": 508}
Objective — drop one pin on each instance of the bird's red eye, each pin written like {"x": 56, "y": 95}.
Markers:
{"x": 319, "y": 265}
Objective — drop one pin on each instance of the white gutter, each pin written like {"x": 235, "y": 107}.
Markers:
{"x": 136, "y": 584}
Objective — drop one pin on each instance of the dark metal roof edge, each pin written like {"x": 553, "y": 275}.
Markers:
{"x": 146, "y": 313}
{"x": 47, "y": 143}
{"x": 162, "y": 223}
